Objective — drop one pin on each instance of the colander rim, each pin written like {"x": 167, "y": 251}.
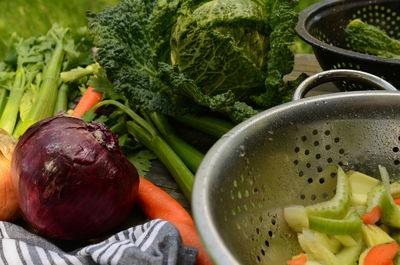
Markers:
{"x": 306, "y": 14}
{"x": 211, "y": 239}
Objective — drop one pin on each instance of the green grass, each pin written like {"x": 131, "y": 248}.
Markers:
{"x": 30, "y": 17}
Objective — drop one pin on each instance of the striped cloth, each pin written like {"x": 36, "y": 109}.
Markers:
{"x": 156, "y": 242}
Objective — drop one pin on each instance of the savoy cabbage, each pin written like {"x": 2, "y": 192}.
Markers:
{"x": 175, "y": 56}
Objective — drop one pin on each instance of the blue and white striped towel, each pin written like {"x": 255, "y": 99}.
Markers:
{"x": 156, "y": 242}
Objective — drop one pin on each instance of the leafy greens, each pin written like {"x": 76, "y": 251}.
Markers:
{"x": 177, "y": 56}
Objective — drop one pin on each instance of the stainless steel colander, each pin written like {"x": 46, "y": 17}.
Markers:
{"x": 288, "y": 155}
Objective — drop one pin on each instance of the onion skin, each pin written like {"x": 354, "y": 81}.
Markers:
{"x": 72, "y": 180}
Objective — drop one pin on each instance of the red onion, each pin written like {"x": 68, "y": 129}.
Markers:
{"x": 71, "y": 178}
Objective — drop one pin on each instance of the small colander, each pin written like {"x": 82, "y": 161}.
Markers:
{"x": 288, "y": 155}
{"x": 322, "y": 25}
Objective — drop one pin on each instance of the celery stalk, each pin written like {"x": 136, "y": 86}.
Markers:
{"x": 62, "y": 99}
{"x": 3, "y": 99}
{"x": 207, "y": 124}
{"x": 182, "y": 175}
{"x": 190, "y": 155}
{"x": 44, "y": 104}
{"x": 145, "y": 132}
{"x": 10, "y": 114}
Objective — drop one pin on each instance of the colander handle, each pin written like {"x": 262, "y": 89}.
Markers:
{"x": 340, "y": 75}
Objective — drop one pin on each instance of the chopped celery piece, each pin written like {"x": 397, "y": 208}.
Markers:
{"x": 310, "y": 245}
{"x": 362, "y": 256}
{"x": 346, "y": 240}
{"x": 373, "y": 235}
{"x": 359, "y": 199}
{"x": 336, "y": 207}
{"x": 360, "y": 185}
{"x": 312, "y": 262}
{"x": 351, "y": 224}
{"x": 390, "y": 210}
{"x": 330, "y": 243}
{"x": 374, "y": 196}
{"x": 350, "y": 255}
{"x": 296, "y": 217}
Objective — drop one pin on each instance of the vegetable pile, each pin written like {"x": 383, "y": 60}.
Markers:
{"x": 206, "y": 64}
{"x": 359, "y": 225}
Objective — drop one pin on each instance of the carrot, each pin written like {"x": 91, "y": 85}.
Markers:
{"x": 382, "y": 254}
{"x": 373, "y": 216}
{"x": 88, "y": 100}
{"x": 300, "y": 260}
{"x": 397, "y": 201}
{"x": 158, "y": 204}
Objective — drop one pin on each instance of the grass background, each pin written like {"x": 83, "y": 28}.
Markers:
{"x": 30, "y": 17}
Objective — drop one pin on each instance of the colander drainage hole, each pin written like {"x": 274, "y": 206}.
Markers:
{"x": 327, "y": 147}
{"x": 302, "y": 196}
{"x": 395, "y": 149}
{"x": 396, "y": 162}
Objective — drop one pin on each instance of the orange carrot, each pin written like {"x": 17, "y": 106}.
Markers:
{"x": 373, "y": 216}
{"x": 397, "y": 201}
{"x": 158, "y": 204}
{"x": 302, "y": 259}
{"x": 382, "y": 254}
{"x": 88, "y": 100}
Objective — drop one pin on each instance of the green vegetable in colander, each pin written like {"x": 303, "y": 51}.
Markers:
{"x": 336, "y": 207}
{"x": 351, "y": 224}
{"x": 390, "y": 210}
{"x": 368, "y": 39}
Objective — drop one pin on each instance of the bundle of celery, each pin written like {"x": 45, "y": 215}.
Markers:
{"x": 30, "y": 85}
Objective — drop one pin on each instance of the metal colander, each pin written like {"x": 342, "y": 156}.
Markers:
{"x": 288, "y": 155}
{"x": 322, "y": 25}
